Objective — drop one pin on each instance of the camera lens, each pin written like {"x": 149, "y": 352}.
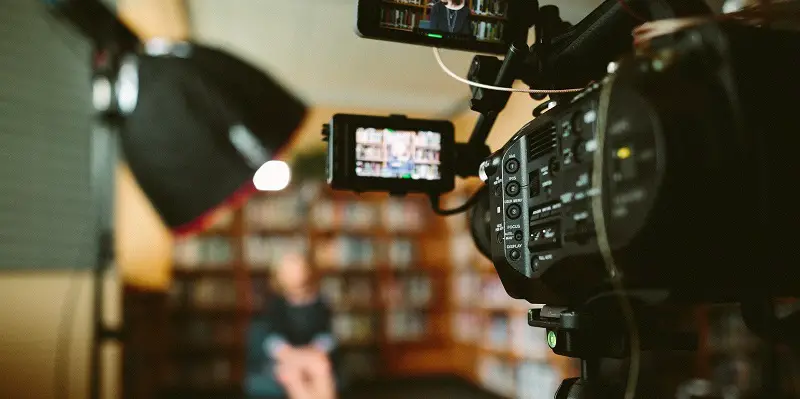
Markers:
{"x": 513, "y": 211}
{"x": 512, "y": 166}
{"x": 512, "y": 189}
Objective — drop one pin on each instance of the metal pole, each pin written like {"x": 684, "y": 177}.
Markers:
{"x": 104, "y": 158}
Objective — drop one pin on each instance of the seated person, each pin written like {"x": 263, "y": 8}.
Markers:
{"x": 299, "y": 342}
{"x": 452, "y": 16}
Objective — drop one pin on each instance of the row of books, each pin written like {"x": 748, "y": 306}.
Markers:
{"x": 494, "y": 8}
{"x": 524, "y": 380}
{"x": 393, "y": 215}
{"x": 275, "y": 213}
{"x": 194, "y": 252}
{"x": 402, "y": 291}
{"x": 262, "y": 252}
{"x": 354, "y": 327}
{"x": 348, "y": 252}
{"x": 203, "y": 293}
{"x": 402, "y": 18}
{"x": 344, "y": 252}
{"x": 409, "y": 291}
{"x": 346, "y": 293}
{"x": 487, "y": 30}
{"x": 405, "y": 326}
{"x": 467, "y": 327}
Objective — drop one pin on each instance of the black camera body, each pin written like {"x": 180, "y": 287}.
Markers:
{"x": 695, "y": 142}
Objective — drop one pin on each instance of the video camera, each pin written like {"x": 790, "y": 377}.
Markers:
{"x": 666, "y": 179}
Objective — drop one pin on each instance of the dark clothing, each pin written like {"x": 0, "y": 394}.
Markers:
{"x": 443, "y": 19}
{"x": 299, "y": 325}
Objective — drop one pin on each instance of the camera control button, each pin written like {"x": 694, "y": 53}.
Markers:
{"x": 513, "y": 211}
{"x": 512, "y": 165}
{"x": 512, "y": 189}
{"x": 518, "y": 235}
{"x": 514, "y": 254}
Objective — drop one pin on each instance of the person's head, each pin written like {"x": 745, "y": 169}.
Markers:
{"x": 453, "y": 2}
{"x": 293, "y": 276}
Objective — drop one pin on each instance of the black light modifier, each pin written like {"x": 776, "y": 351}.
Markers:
{"x": 204, "y": 122}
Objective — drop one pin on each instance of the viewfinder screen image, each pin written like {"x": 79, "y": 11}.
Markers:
{"x": 398, "y": 154}
{"x": 482, "y": 20}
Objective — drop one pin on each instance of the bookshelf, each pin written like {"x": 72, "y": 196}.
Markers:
{"x": 379, "y": 270}
{"x": 492, "y": 344}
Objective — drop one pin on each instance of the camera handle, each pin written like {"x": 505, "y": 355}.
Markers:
{"x": 593, "y": 335}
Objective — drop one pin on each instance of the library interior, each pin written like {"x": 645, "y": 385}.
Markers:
{"x": 382, "y": 297}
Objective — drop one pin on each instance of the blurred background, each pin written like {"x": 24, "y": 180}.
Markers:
{"x": 412, "y": 297}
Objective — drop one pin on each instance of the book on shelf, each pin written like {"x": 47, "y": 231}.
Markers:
{"x": 263, "y": 253}
{"x": 402, "y": 253}
{"x": 353, "y": 327}
{"x": 203, "y": 252}
{"x": 357, "y": 292}
{"x": 466, "y": 289}
{"x": 488, "y": 30}
{"x": 498, "y": 334}
{"x": 493, "y": 295}
{"x": 404, "y": 215}
{"x": 405, "y": 325}
{"x": 467, "y": 327}
{"x": 461, "y": 251}
{"x": 327, "y": 215}
{"x": 409, "y": 292}
{"x": 283, "y": 212}
{"x": 346, "y": 252}
{"x": 400, "y": 17}
{"x": 494, "y": 8}
{"x": 213, "y": 293}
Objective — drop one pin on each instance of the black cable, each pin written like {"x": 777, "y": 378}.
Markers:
{"x": 463, "y": 208}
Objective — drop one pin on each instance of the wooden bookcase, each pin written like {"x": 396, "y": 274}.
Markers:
{"x": 381, "y": 266}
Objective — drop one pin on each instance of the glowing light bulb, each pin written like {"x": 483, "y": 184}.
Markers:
{"x": 272, "y": 176}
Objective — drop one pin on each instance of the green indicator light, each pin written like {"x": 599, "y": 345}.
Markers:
{"x": 551, "y": 339}
{"x": 435, "y": 35}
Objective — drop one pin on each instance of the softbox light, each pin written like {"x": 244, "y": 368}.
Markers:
{"x": 198, "y": 124}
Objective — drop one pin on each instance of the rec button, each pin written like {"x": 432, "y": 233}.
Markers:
{"x": 514, "y": 254}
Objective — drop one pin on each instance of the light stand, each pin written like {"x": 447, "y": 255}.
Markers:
{"x": 111, "y": 40}
{"x": 105, "y": 147}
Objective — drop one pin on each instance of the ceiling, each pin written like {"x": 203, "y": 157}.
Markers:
{"x": 311, "y": 47}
